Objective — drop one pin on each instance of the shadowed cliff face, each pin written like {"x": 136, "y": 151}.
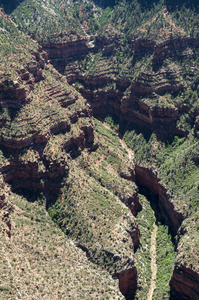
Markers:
{"x": 60, "y": 54}
{"x": 164, "y": 208}
{"x": 184, "y": 284}
{"x": 128, "y": 283}
{"x": 10, "y": 5}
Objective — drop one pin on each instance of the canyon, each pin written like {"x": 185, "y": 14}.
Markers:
{"x": 132, "y": 109}
{"x": 54, "y": 151}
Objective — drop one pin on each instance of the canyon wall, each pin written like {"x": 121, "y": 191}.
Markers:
{"x": 184, "y": 284}
{"x": 133, "y": 108}
{"x": 165, "y": 209}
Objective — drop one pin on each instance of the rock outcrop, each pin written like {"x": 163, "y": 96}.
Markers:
{"x": 15, "y": 93}
{"x": 34, "y": 162}
{"x": 43, "y": 169}
{"x": 133, "y": 110}
{"x": 72, "y": 47}
{"x": 128, "y": 283}
{"x": 135, "y": 235}
{"x": 52, "y": 138}
{"x": 184, "y": 284}
{"x": 164, "y": 207}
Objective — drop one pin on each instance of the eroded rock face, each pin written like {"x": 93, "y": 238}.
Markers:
{"x": 112, "y": 100}
{"x": 131, "y": 109}
{"x": 12, "y": 94}
{"x": 135, "y": 235}
{"x": 146, "y": 177}
{"x": 38, "y": 176}
{"x": 60, "y": 54}
{"x": 137, "y": 112}
{"x": 184, "y": 284}
{"x": 15, "y": 94}
{"x": 184, "y": 281}
{"x": 42, "y": 172}
{"x": 173, "y": 46}
{"x": 135, "y": 206}
{"x": 132, "y": 202}
{"x": 128, "y": 283}
{"x": 103, "y": 101}
{"x": 75, "y": 145}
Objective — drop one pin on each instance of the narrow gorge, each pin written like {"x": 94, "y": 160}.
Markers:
{"x": 150, "y": 218}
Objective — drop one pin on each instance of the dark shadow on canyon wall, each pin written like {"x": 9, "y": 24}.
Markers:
{"x": 9, "y": 5}
{"x": 153, "y": 199}
{"x": 154, "y": 202}
{"x": 177, "y": 296}
{"x": 44, "y": 190}
{"x": 105, "y": 3}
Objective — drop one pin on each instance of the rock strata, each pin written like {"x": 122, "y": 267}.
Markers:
{"x": 132, "y": 109}
{"x": 59, "y": 54}
{"x": 15, "y": 93}
{"x": 149, "y": 85}
{"x": 184, "y": 284}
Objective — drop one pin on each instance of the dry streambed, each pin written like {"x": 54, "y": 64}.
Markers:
{"x": 153, "y": 262}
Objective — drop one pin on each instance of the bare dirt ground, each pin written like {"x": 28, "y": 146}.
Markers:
{"x": 153, "y": 262}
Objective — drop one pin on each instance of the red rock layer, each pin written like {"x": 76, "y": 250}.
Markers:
{"x": 184, "y": 284}
{"x": 60, "y": 54}
{"x": 14, "y": 94}
{"x": 146, "y": 177}
{"x": 128, "y": 283}
{"x": 131, "y": 109}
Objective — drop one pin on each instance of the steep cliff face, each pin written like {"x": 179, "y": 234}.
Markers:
{"x": 37, "y": 159}
{"x": 145, "y": 104}
{"x": 36, "y": 176}
{"x": 165, "y": 208}
{"x": 176, "y": 47}
{"x": 159, "y": 119}
{"x": 39, "y": 162}
{"x": 184, "y": 283}
{"x": 61, "y": 53}
{"x": 128, "y": 283}
{"x": 133, "y": 110}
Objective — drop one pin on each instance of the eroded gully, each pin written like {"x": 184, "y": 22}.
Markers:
{"x": 153, "y": 254}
